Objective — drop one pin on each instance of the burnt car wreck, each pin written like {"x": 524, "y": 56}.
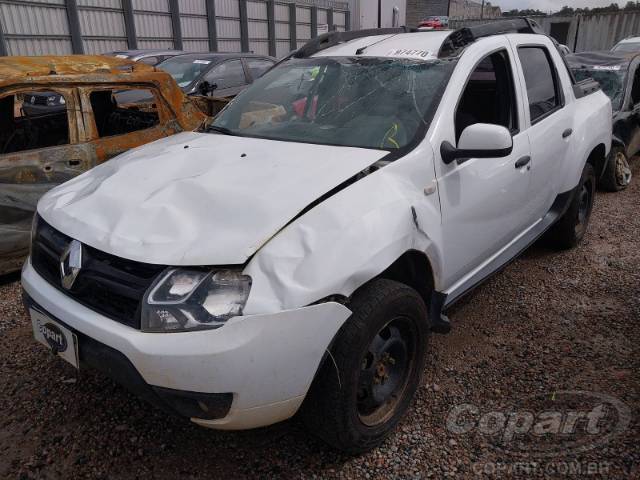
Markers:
{"x": 61, "y": 116}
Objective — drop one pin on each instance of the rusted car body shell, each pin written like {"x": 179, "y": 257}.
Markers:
{"x": 26, "y": 175}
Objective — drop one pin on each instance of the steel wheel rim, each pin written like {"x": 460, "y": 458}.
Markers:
{"x": 623, "y": 171}
{"x": 385, "y": 369}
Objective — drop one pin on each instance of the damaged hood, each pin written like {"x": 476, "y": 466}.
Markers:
{"x": 196, "y": 198}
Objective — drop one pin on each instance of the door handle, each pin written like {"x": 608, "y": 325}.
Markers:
{"x": 567, "y": 133}
{"x": 521, "y": 162}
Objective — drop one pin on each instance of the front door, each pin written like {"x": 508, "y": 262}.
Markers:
{"x": 38, "y": 150}
{"x": 229, "y": 78}
{"x": 483, "y": 200}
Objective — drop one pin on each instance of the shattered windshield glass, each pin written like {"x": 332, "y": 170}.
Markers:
{"x": 611, "y": 81}
{"x": 368, "y": 102}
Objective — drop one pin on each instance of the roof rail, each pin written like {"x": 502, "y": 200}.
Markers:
{"x": 332, "y": 39}
{"x": 467, "y": 35}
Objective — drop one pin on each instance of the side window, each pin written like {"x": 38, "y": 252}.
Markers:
{"x": 489, "y": 96}
{"x": 227, "y": 74}
{"x": 33, "y": 119}
{"x": 541, "y": 80}
{"x": 258, "y": 66}
{"x": 117, "y": 112}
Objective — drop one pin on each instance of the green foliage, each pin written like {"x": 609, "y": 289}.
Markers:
{"x": 568, "y": 11}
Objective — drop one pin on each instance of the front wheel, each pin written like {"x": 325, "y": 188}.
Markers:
{"x": 569, "y": 230}
{"x": 617, "y": 173}
{"x": 372, "y": 370}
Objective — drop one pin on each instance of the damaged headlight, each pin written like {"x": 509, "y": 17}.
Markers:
{"x": 189, "y": 299}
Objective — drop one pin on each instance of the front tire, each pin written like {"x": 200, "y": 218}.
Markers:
{"x": 617, "y": 173}
{"x": 570, "y": 229}
{"x": 373, "y": 369}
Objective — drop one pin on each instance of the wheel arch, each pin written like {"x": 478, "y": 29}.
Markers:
{"x": 598, "y": 159}
{"x": 413, "y": 268}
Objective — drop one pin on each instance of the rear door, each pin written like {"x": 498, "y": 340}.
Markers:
{"x": 548, "y": 116}
{"x": 114, "y": 126}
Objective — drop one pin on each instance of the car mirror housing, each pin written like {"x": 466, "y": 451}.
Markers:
{"x": 481, "y": 140}
{"x": 205, "y": 88}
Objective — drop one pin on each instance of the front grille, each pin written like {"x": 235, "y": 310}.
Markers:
{"x": 109, "y": 285}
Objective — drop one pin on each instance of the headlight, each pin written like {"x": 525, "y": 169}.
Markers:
{"x": 189, "y": 299}
{"x": 62, "y": 100}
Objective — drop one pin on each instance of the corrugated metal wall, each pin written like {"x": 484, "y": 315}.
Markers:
{"x": 47, "y": 27}
{"x": 34, "y": 27}
{"x": 153, "y": 23}
{"x": 193, "y": 23}
{"x": 102, "y": 25}
{"x": 228, "y": 25}
{"x": 584, "y": 32}
{"x": 598, "y": 32}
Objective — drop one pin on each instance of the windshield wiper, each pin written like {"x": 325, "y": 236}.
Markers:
{"x": 218, "y": 129}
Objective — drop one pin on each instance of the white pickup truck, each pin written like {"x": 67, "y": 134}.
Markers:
{"x": 296, "y": 253}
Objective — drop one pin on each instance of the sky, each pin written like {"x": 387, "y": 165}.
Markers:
{"x": 553, "y": 5}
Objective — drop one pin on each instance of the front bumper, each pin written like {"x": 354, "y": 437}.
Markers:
{"x": 266, "y": 361}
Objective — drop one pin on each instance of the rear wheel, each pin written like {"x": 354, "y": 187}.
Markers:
{"x": 617, "y": 173}
{"x": 375, "y": 366}
{"x": 569, "y": 230}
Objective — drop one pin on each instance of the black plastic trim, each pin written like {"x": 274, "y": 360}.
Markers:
{"x": 461, "y": 38}
{"x": 585, "y": 87}
{"x": 332, "y": 39}
{"x": 115, "y": 365}
{"x": 449, "y": 153}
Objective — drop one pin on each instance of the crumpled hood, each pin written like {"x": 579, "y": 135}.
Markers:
{"x": 198, "y": 199}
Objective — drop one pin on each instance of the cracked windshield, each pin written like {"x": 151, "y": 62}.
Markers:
{"x": 361, "y": 102}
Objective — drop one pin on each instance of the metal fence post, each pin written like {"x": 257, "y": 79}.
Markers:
{"x": 330, "y": 24}
{"x": 211, "y": 24}
{"x": 244, "y": 26}
{"x": 271, "y": 26}
{"x": 314, "y": 22}
{"x": 74, "y": 26}
{"x": 293, "y": 33}
{"x": 3, "y": 43}
{"x": 129, "y": 25}
{"x": 347, "y": 20}
{"x": 174, "y": 8}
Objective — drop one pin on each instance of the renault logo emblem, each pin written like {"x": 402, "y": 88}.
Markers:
{"x": 70, "y": 263}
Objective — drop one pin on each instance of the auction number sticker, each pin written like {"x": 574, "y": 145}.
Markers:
{"x": 406, "y": 52}
{"x": 607, "y": 67}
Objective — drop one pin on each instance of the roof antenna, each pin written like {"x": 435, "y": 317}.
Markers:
{"x": 361, "y": 50}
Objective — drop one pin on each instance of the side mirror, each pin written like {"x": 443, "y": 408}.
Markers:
{"x": 481, "y": 140}
{"x": 205, "y": 88}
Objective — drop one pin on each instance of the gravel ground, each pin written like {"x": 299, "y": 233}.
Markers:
{"x": 550, "y": 322}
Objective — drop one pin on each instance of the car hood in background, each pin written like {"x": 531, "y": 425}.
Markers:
{"x": 196, "y": 198}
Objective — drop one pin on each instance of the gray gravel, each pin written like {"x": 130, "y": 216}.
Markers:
{"x": 550, "y": 322}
